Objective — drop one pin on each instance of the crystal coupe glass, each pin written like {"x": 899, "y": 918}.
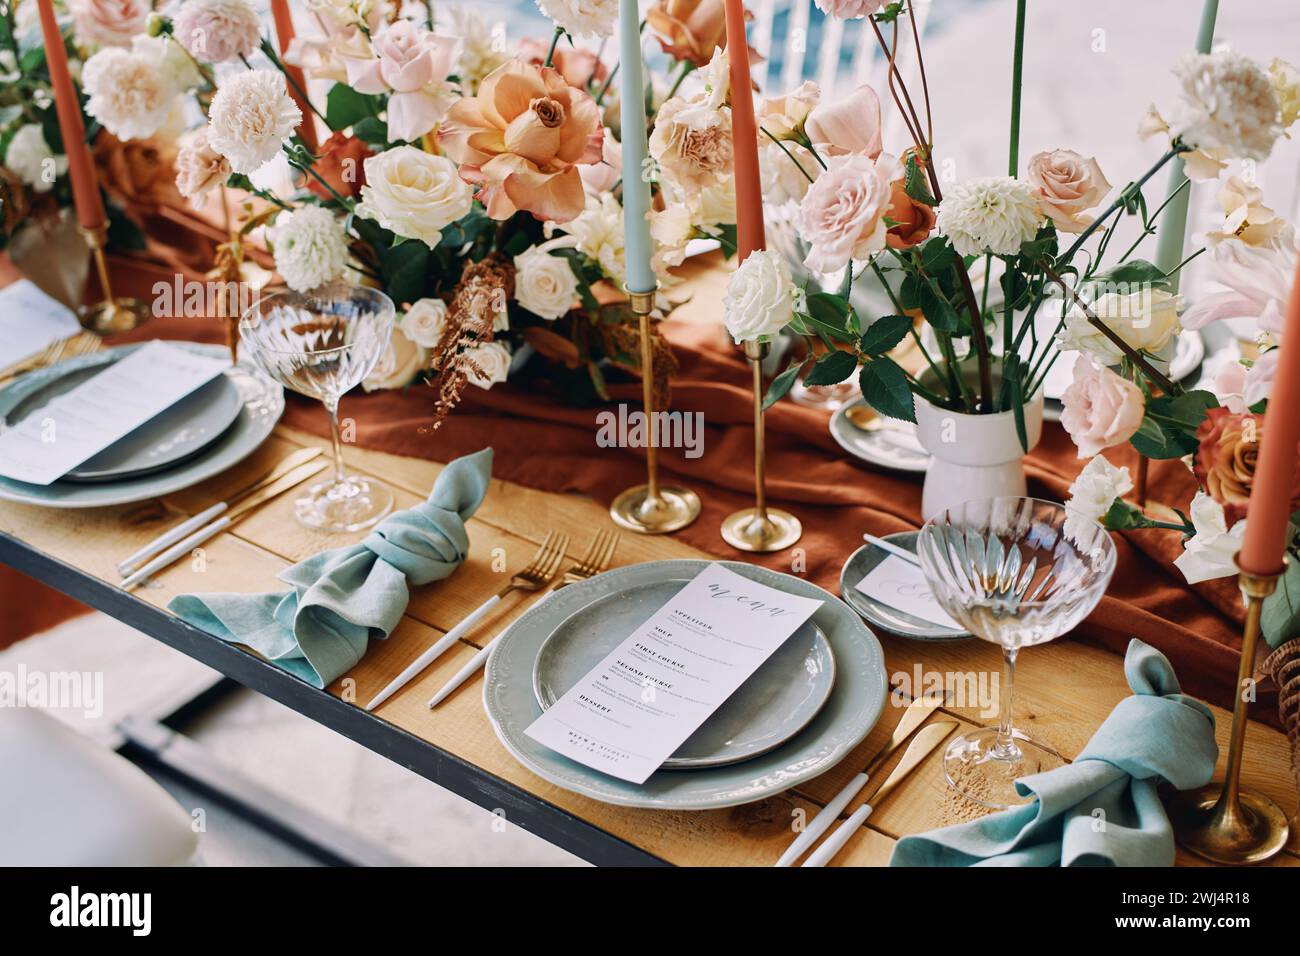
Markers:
{"x": 1015, "y": 572}
{"x": 321, "y": 344}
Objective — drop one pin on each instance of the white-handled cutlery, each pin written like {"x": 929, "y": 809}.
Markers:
{"x": 535, "y": 576}
{"x": 922, "y": 745}
{"x": 190, "y": 525}
{"x": 265, "y": 493}
{"x": 913, "y": 717}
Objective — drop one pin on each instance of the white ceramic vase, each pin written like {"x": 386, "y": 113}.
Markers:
{"x": 973, "y": 456}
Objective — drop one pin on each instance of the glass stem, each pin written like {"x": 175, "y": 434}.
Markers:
{"x": 336, "y": 437}
{"x": 1005, "y": 747}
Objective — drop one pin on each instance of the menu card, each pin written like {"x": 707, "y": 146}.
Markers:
{"x": 638, "y": 705}
{"x": 902, "y": 585}
{"x": 81, "y": 423}
{"x": 31, "y": 321}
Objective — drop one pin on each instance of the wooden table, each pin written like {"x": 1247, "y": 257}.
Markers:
{"x": 1064, "y": 690}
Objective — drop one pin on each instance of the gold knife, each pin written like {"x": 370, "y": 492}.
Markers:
{"x": 914, "y": 716}
{"x": 278, "y": 487}
{"x": 190, "y": 525}
{"x": 921, "y": 747}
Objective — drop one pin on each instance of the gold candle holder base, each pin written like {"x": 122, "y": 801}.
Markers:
{"x": 1219, "y": 822}
{"x": 760, "y": 529}
{"x": 113, "y": 314}
{"x": 652, "y": 508}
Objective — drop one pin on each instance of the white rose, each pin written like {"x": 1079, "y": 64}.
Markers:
{"x": 425, "y": 321}
{"x": 32, "y": 160}
{"x": 545, "y": 284}
{"x": 493, "y": 362}
{"x": 413, "y": 193}
{"x": 1145, "y": 320}
{"x": 1211, "y": 551}
{"x": 1092, "y": 494}
{"x": 400, "y": 363}
{"x": 759, "y": 301}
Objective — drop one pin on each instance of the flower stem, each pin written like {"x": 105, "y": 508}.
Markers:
{"x": 555, "y": 39}
{"x": 787, "y": 152}
{"x": 687, "y": 68}
{"x": 1017, "y": 67}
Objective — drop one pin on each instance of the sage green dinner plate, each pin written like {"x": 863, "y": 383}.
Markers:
{"x": 880, "y": 614}
{"x": 851, "y": 710}
{"x": 777, "y": 701}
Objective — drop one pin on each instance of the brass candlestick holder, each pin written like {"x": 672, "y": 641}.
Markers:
{"x": 760, "y": 528}
{"x": 652, "y": 508}
{"x": 1219, "y": 822}
{"x": 111, "y": 314}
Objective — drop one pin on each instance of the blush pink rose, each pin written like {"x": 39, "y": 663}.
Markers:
{"x": 1101, "y": 409}
{"x": 413, "y": 64}
{"x": 842, "y": 216}
{"x": 850, "y": 125}
{"x": 108, "y": 22}
{"x": 849, "y": 9}
{"x": 1067, "y": 184}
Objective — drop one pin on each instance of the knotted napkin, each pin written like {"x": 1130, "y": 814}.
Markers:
{"x": 338, "y": 600}
{"x": 1102, "y": 809}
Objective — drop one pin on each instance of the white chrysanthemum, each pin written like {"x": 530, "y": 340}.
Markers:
{"x": 31, "y": 159}
{"x": 250, "y": 118}
{"x": 1226, "y": 102}
{"x": 130, "y": 96}
{"x": 311, "y": 247}
{"x": 995, "y": 214}
{"x": 582, "y": 18}
{"x": 482, "y": 49}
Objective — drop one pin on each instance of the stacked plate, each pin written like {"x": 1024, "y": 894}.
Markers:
{"x": 205, "y": 433}
{"x": 800, "y": 713}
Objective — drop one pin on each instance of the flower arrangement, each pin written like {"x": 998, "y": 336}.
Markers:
{"x": 481, "y": 190}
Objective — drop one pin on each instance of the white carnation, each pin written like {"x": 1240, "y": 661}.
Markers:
{"x": 1227, "y": 102}
{"x": 545, "y": 284}
{"x": 1211, "y": 552}
{"x": 425, "y": 321}
{"x": 492, "y": 360}
{"x": 995, "y": 214}
{"x": 1091, "y": 496}
{"x": 582, "y": 18}
{"x": 32, "y": 160}
{"x": 759, "y": 301}
{"x": 311, "y": 247}
{"x": 251, "y": 117}
{"x": 130, "y": 96}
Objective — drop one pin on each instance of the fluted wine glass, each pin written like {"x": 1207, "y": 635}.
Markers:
{"x": 1015, "y": 572}
{"x": 321, "y": 344}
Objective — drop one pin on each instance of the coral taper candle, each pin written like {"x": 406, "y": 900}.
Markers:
{"x": 1268, "y": 525}
{"x": 636, "y": 185}
{"x": 81, "y": 168}
{"x": 744, "y": 135}
{"x": 297, "y": 82}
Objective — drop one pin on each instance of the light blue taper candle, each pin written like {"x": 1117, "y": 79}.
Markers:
{"x": 1172, "y": 230}
{"x": 636, "y": 188}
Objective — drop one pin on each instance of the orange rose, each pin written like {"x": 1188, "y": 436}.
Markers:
{"x": 136, "y": 172}
{"x": 913, "y": 220}
{"x": 341, "y": 164}
{"x": 689, "y": 29}
{"x": 521, "y": 140}
{"x": 1225, "y": 460}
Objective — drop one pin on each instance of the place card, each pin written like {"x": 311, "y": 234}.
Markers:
{"x": 81, "y": 423}
{"x": 902, "y": 585}
{"x": 638, "y": 705}
{"x": 31, "y": 321}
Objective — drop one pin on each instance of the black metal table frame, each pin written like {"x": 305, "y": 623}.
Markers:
{"x": 538, "y": 816}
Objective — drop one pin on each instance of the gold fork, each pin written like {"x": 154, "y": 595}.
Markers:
{"x": 593, "y": 562}
{"x": 534, "y": 576}
{"x": 79, "y": 344}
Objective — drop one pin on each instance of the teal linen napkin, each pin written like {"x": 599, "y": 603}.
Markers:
{"x": 340, "y": 599}
{"x": 1102, "y": 809}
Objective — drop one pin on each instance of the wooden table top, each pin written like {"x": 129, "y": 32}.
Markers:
{"x": 1063, "y": 690}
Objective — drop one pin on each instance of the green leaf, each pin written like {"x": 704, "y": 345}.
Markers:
{"x": 371, "y": 130}
{"x": 1281, "y": 617}
{"x": 832, "y": 368}
{"x": 405, "y": 269}
{"x": 1011, "y": 381}
{"x": 781, "y": 384}
{"x": 1123, "y": 516}
{"x": 884, "y": 333}
{"x": 885, "y": 388}
{"x": 1160, "y": 442}
{"x": 909, "y": 291}
{"x": 938, "y": 311}
{"x": 1135, "y": 272}
{"x": 344, "y": 106}
{"x": 829, "y": 316}
{"x": 914, "y": 183}
{"x": 1185, "y": 411}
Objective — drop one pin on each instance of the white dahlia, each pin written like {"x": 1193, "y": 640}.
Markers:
{"x": 995, "y": 214}
{"x": 311, "y": 247}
